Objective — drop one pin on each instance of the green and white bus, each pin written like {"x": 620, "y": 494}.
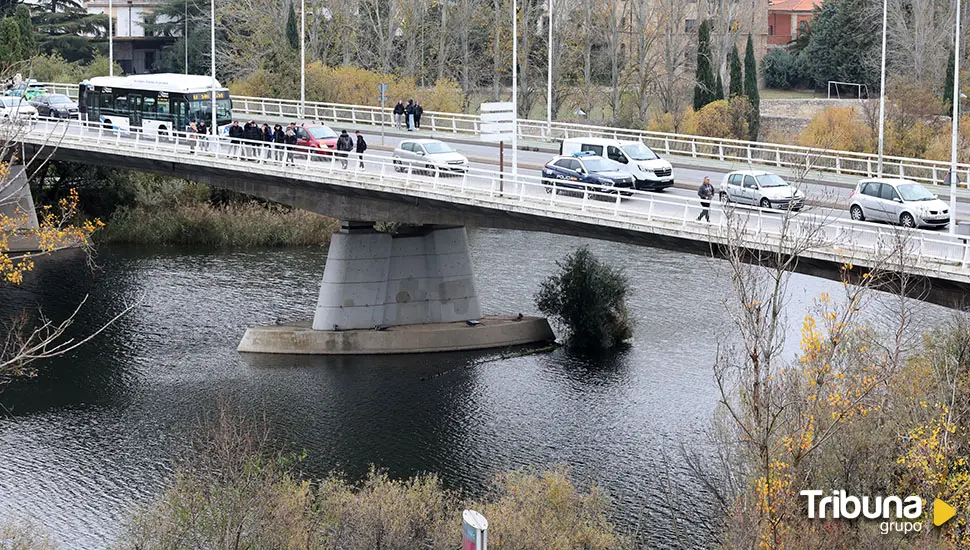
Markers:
{"x": 155, "y": 104}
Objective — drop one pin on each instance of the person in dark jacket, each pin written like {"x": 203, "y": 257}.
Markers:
{"x": 705, "y": 192}
{"x": 252, "y": 133}
{"x": 202, "y": 128}
{"x": 399, "y": 115}
{"x": 279, "y": 141}
{"x": 290, "y": 139}
{"x": 345, "y": 144}
{"x": 266, "y": 134}
{"x": 235, "y": 134}
{"x": 361, "y": 147}
{"x": 409, "y": 113}
{"x": 418, "y": 110}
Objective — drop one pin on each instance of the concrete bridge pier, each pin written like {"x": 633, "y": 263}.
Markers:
{"x": 16, "y": 202}
{"x": 409, "y": 292}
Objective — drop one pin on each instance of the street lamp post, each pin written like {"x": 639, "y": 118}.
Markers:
{"x": 302, "y": 57}
{"x": 185, "y": 36}
{"x": 956, "y": 123}
{"x": 111, "y": 42}
{"x": 549, "y": 79}
{"x": 212, "y": 44}
{"x": 882, "y": 88}
{"x": 515, "y": 91}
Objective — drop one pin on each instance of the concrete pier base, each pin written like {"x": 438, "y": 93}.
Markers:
{"x": 490, "y": 332}
{"x": 15, "y": 203}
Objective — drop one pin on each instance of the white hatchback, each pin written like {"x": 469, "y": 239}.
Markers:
{"x": 16, "y": 108}
{"x": 429, "y": 155}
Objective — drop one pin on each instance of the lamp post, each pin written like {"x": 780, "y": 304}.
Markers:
{"x": 549, "y": 79}
{"x": 129, "y": 20}
{"x": 302, "y": 57}
{"x": 185, "y": 36}
{"x": 956, "y": 123}
{"x": 515, "y": 91}
{"x": 212, "y": 44}
{"x": 111, "y": 43}
{"x": 882, "y": 88}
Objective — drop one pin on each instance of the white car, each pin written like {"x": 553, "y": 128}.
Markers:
{"x": 16, "y": 108}
{"x": 651, "y": 172}
{"x": 897, "y": 201}
{"x": 762, "y": 189}
{"x": 430, "y": 156}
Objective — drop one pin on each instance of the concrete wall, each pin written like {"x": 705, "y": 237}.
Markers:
{"x": 376, "y": 279}
{"x": 15, "y": 198}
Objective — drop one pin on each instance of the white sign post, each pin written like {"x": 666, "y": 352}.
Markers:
{"x": 498, "y": 125}
{"x": 382, "y": 97}
{"x": 474, "y": 529}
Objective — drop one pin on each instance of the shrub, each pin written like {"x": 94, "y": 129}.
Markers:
{"x": 781, "y": 69}
{"x": 837, "y": 128}
{"x": 588, "y": 297}
{"x": 724, "y": 119}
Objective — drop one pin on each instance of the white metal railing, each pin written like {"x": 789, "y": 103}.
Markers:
{"x": 771, "y": 155}
{"x": 837, "y": 239}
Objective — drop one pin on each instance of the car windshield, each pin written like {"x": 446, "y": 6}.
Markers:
{"x": 322, "y": 132}
{"x": 914, "y": 192}
{"x": 639, "y": 151}
{"x": 599, "y": 165}
{"x": 433, "y": 147}
{"x": 58, "y": 99}
{"x": 771, "y": 180}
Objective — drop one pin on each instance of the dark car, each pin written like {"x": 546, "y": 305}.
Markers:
{"x": 586, "y": 172}
{"x": 55, "y": 105}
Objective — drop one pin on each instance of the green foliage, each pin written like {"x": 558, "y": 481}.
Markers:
{"x": 751, "y": 90}
{"x": 781, "y": 69}
{"x": 64, "y": 27}
{"x": 724, "y": 119}
{"x": 844, "y": 41}
{"x": 948, "y": 86}
{"x": 28, "y": 42}
{"x": 718, "y": 88}
{"x": 292, "y": 34}
{"x": 169, "y": 20}
{"x": 589, "y": 298}
{"x": 11, "y": 49}
{"x": 53, "y": 68}
{"x": 704, "y": 78}
{"x": 737, "y": 80}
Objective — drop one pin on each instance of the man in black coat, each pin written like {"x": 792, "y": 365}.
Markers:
{"x": 345, "y": 144}
{"x": 409, "y": 113}
{"x": 399, "y": 115}
{"x": 418, "y": 109}
{"x": 361, "y": 147}
{"x": 235, "y": 134}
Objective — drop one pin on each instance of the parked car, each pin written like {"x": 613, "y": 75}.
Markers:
{"x": 651, "y": 172}
{"x": 586, "y": 172}
{"x": 897, "y": 201}
{"x": 762, "y": 189}
{"x": 429, "y": 155}
{"x": 319, "y": 137}
{"x": 55, "y": 105}
{"x": 16, "y": 108}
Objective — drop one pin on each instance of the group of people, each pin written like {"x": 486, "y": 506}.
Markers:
{"x": 253, "y": 141}
{"x": 409, "y": 115}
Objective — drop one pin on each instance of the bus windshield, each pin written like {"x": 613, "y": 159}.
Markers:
{"x": 202, "y": 110}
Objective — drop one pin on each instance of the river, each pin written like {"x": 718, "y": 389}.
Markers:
{"x": 94, "y": 436}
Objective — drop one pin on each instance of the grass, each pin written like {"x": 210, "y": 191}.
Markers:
{"x": 769, "y": 93}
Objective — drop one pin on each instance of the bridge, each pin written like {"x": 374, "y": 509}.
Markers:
{"x": 424, "y": 276}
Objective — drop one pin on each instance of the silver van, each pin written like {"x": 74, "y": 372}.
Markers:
{"x": 650, "y": 172}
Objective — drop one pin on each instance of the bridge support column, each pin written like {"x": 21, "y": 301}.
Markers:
{"x": 375, "y": 279}
{"x": 413, "y": 292}
{"x": 15, "y": 202}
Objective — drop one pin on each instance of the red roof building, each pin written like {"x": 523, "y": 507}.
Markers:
{"x": 786, "y": 18}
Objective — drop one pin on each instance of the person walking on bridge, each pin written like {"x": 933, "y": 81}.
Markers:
{"x": 361, "y": 147}
{"x": 705, "y": 192}
{"x": 345, "y": 144}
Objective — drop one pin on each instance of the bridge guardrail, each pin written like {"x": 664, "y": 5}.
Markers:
{"x": 526, "y": 193}
{"x": 771, "y": 155}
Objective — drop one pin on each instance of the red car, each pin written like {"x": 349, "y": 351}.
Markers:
{"x": 317, "y": 136}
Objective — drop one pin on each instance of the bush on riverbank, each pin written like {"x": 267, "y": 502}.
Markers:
{"x": 589, "y": 298}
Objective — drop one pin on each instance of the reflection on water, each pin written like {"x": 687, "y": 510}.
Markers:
{"x": 94, "y": 436}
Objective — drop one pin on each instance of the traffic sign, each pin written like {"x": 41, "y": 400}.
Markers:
{"x": 381, "y": 88}
{"x": 497, "y": 121}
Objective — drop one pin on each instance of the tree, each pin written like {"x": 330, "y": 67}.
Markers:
{"x": 737, "y": 82}
{"x": 588, "y": 297}
{"x": 65, "y": 27}
{"x": 28, "y": 43}
{"x": 292, "y": 34}
{"x": 844, "y": 43}
{"x": 751, "y": 88}
{"x": 704, "y": 80}
{"x": 718, "y": 88}
{"x": 780, "y": 69}
{"x": 948, "y": 86}
{"x": 11, "y": 50}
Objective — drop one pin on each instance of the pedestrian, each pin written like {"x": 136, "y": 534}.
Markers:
{"x": 345, "y": 144}
{"x": 418, "y": 110}
{"x": 267, "y": 135}
{"x": 191, "y": 131}
{"x": 279, "y": 142}
{"x": 399, "y": 114}
{"x": 705, "y": 192}
{"x": 290, "y": 139}
{"x": 361, "y": 147}
{"x": 253, "y": 137}
{"x": 202, "y": 128}
{"x": 235, "y": 134}
{"x": 409, "y": 112}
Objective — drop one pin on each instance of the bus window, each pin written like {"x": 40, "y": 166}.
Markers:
{"x": 106, "y": 101}
{"x": 180, "y": 109}
{"x": 163, "y": 109}
{"x": 148, "y": 107}
{"x": 121, "y": 104}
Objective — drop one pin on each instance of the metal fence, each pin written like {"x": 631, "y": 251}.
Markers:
{"x": 833, "y": 238}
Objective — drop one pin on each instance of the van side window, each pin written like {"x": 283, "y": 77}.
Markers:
{"x": 596, "y": 149}
{"x": 614, "y": 153}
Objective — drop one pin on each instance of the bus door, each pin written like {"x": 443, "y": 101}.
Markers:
{"x": 135, "y": 107}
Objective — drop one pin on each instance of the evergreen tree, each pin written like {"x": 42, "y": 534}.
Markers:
{"x": 948, "y": 86}
{"x": 751, "y": 88}
{"x": 7, "y": 7}
{"x": 28, "y": 43}
{"x": 10, "y": 47}
{"x": 704, "y": 80}
{"x": 718, "y": 88}
{"x": 292, "y": 34}
{"x": 844, "y": 38}
{"x": 737, "y": 81}
{"x": 65, "y": 27}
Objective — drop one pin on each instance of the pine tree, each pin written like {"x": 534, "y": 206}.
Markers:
{"x": 64, "y": 28}
{"x": 292, "y": 34}
{"x": 737, "y": 80}
{"x": 948, "y": 86}
{"x": 719, "y": 88}
{"x": 28, "y": 43}
{"x": 10, "y": 47}
{"x": 751, "y": 88}
{"x": 704, "y": 80}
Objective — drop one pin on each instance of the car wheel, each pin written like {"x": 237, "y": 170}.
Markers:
{"x": 907, "y": 220}
{"x": 856, "y": 213}
{"x": 765, "y": 203}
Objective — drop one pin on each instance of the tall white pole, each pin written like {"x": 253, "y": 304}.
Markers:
{"x": 549, "y": 79}
{"x": 185, "y": 36}
{"x": 111, "y": 41}
{"x": 515, "y": 91}
{"x": 956, "y": 123}
{"x": 882, "y": 88}
{"x": 303, "y": 57}
{"x": 212, "y": 68}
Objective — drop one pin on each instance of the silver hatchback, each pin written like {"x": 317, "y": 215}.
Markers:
{"x": 897, "y": 201}
{"x": 430, "y": 156}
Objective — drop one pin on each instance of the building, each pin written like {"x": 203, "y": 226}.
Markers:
{"x": 134, "y": 49}
{"x": 787, "y": 18}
